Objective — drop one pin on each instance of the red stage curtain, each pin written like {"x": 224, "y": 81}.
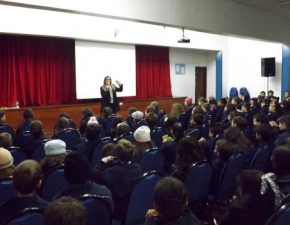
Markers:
{"x": 152, "y": 72}
{"x": 36, "y": 71}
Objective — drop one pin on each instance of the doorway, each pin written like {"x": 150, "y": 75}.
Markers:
{"x": 200, "y": 83}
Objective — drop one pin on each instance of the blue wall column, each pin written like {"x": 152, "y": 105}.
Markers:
{"x": 219, "y": 75}
{"x": 285, "y": 70}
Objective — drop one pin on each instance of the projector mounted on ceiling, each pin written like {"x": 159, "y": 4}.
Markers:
{"x": 183, "y": 39}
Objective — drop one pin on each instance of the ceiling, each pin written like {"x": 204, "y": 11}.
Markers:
{"x": 279, "y": 7}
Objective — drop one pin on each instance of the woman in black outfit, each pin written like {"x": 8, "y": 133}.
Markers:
{"x": 109, "y": 96}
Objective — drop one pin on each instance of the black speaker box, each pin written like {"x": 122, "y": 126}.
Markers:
{"x": 268, "y": 67}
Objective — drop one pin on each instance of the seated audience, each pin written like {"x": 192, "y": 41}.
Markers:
{"x": 274, "y": 111}
{"x": 87, "y": 114}
{"x": 284, "y": 127}
{"x": 265, "y": 106}
{"x": 26, "y": 179}
{"x": 256, "y": 201}
{"x": 287, "y": 95}
{"x": 2, "y": 117}
{"x": 220, "y": 109}
{"x": 6, "y": 164}
{"x": 176, "y": 110}
{"x": 119, "y": 177}
{"x": 225, "y": 118}
{"x": 117, "y": 120}
{"x": 5, "y": 140}
{"x": 197, "y": 110}
{"x": 77, "y": 172}
{"x": 55, "y": 152}
{"x": 254, "y": 106}
{"x": 151, "y": 121}
{"x": 109, "y": 150}
{"x": 122, "y": 128}
{"x": 106, "y": 113}
{"x": 64, "y": 211}
{"x": 170, "y": 204}
{"x": 28, "y": 116}
{"x": 137, "y": 117}
{"x": 156, "y": 105}
{"x": 188, "y": 106}
{"x": 169, "y": 121}
{"x": 61, "y": 124}
{"x": 142, "y": 142}
{"x": 195, "y": 125}
{"x": 150, "y": 109}
{"x": 201, "y": 100}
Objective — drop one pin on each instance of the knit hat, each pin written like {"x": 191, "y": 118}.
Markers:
{"x": 6, "y": 158}
{"x": 142, "y": 134}
{"x": 92, "y": 120}
{"x": 54, "y": 147}
{"x": 188, "y": 100}
{"x": 76, "y": 168}
{"x": 138, "y": 115}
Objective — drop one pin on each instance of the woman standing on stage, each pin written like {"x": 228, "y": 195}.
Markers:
{"x": 109, "y": 96}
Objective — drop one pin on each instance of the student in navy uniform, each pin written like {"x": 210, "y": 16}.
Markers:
{"x": 284, "y": 127}
{"x": 228, "y": 108}
{"x": 195, "y": 125}
{"x": 220, "y": 109}
{"x": 247, "y": 114}
{"x": 2, "y": 117}
{"x": 170, "y": 202}
{"x": 28, "y": 116}
{"x": 254, "y": 106}
{"x": 265, "y": 106}
{"x": 274, "y": 111}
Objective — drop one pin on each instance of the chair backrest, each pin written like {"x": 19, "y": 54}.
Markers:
{"x": 128, "y": 136}
{"x": 38, "y": 152}
{"x": 97, "y": 154}
{"x": 183, "y": 120}
{"x": 152, "y": 160}
{"x": 7, "y": 129}
{"x": 198, "y": 188}
{"x": 7, "y": 190}
{"x": 100, "y": 121}
{"x": 26, "y": 127}
{"x": 70, "y": 136}
{"x": 227, "y": 181}
{"x": 261, "y": 158}
{"x": 141, "y": 198}
{"x": 109, "y": 123}
{"x": 22, "y": 139}
{"x": 156, "y": 136}
{"x": 28, "y": 216}
{"x": 99, "y": 211}
{"x": 281, "y": 216}
{"x": 18, "y": 155}
{"x": 103, "y": 133}
{"x": 53, "y": 183}
{"x": 72, "y": 124}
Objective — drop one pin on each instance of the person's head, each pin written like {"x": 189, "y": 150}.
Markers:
{"x": 263, "y": 93}
{"x": 150, "y": 109}
{"x": 235, "y": 101}
{"x": 5, "y": 140}
{"x": 270, "y": 93}
{"x": 76, "y": 168}
{"x": 188, "y": 101}
{"x": 232, "y": 115}
{"x": 117, "y": 119}
{"x": 222, "y": 102}
{"x": 36, "y": 129}
{"x": 242, "y": 96}
{"x": 107, "y": 111}
{"x": 263, "y": 132}
{"x": 201, "y": 100}
{"x": 124, "y": 151}
{"x": 188, "y": 152}
{"x": 234, "y": 135}
{"x": 137, "y": 116}
{"x": 197, "y": 110}
{"x": 275, "y": 107}
{"x": 6, "y": 164}
{"x": 87, "y": 113}
{"x": 142, "y": 134}
{"x": 229, "y": 108}
{"x": 107, "y": 80}
{"x": 205, "y": 107}
{"x": 28, "y": 114}
{"x": 177, "y": 131}
{"x": 109, "y": 150}
{"x": 224, "y": 149}
{"x": 176, "y": 110}
{"x": 93, "y": 131}
{"x": 265, "y": 102}
{"x": 215, "y": 129}
{"x": 260, "y": 118}
{"x": 239, "y": 122}
{"x": 122, "y": 128}
{"x": 2, "y": 116}
{"x": 253, "y": 102}
{"x": 64, "y": 211}
{"x": 156, "y": 105}
{"x": 131, "y": 110}
{"x": 246, "y": 107}
{"x": 64, "y": 115}
{"x": 62, "y": 124}
{"x": 197, "y": 119}
{"x": 168, "y": 123}
{"x": 280, "y": 161}
{"x": 151, "y": 120}
{"x": 27, "y": 177}
{"x": 287, "y": 94}
{"x": 170, "y": 198}
{"x": 284, "y": 122}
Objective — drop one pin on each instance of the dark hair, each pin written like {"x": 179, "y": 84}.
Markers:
{"x": 106, "y": 113}
{"x": 93, "y": 131}
{"x": 188, "y": 152}
{"x": 236, "y": 99}
{"x": 212, "y": 101}
{"x": 264, "y": 131}
{"x": 64, "y": 211}
{"x": 36, "y": 129}
{"x": 151, "y": 120}
{"x": 26, "y": 176}
{"x": 87, "y": 113}
{"x": 230, "y": 107}
{"x": 28, "y": 114}
{"x": 270, "y": 92}
{"x": 216, "y": 128}
{"x": 156, "y": 105}
{"x": 266, "y": 101}
{"x": 198, "y": 118}
{"x": 49, "y": 162}
{"x": 168, "y": 123}
{"x": 2, "y": 113}
{"x": 225, "y": 149}
{"x": 197, "y": 110}
{"x": 117, "y": 119}
{"x": 61, "y": 124}
{"x": 122, "y": 128}
{"x": 202, "y": 99}
{"x": 281, "y": 158}
{"x": 232, "y": 115}
{"x": 263, "y": 92}
{"x": 277, "y": 107}
{"x": 240, "y": 122}
{"x": 131, "y": 110}
{"x": 223, "y": 101}
{"x": 150, "y": 108}
{"x": 206, "y": 106}
{"x": 5, "y": 140}
{"x": 247, "y": 106}
{"x": 107, "y": 77}
{"x": 261, "y": 118}
{"x": 234, "y": 135}
{"x": 178, "y": 131}
{"x": 124, "y": 151}
{"x": 109, "y": 150}
{"x": 170, "y": 197}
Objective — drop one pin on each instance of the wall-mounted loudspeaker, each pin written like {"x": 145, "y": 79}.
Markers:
{"x": 268, "y": 67}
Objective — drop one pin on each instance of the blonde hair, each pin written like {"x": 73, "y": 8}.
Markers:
{"x": 176, "y": 110}
{"x": 6, "y": 172}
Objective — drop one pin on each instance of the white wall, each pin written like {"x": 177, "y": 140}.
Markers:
{"x": 184, "y": 85}
{"x": 244, "y": 65}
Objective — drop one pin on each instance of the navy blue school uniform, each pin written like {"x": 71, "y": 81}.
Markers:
{"x": 169, "y": 152}
{"x": 273, "y": 116}
{"x": 21, "y": 126}
{"x": 208, "y": 120}
{"x": 196, "y": 129}
{"x": 219, "y": 114}
{"x": 265, "y": 109}
{"x": 249, "y": 117}
{"x": 87, "y": 148}
{"x": 256, "y": 109}
{"x": 281, "y": 137}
